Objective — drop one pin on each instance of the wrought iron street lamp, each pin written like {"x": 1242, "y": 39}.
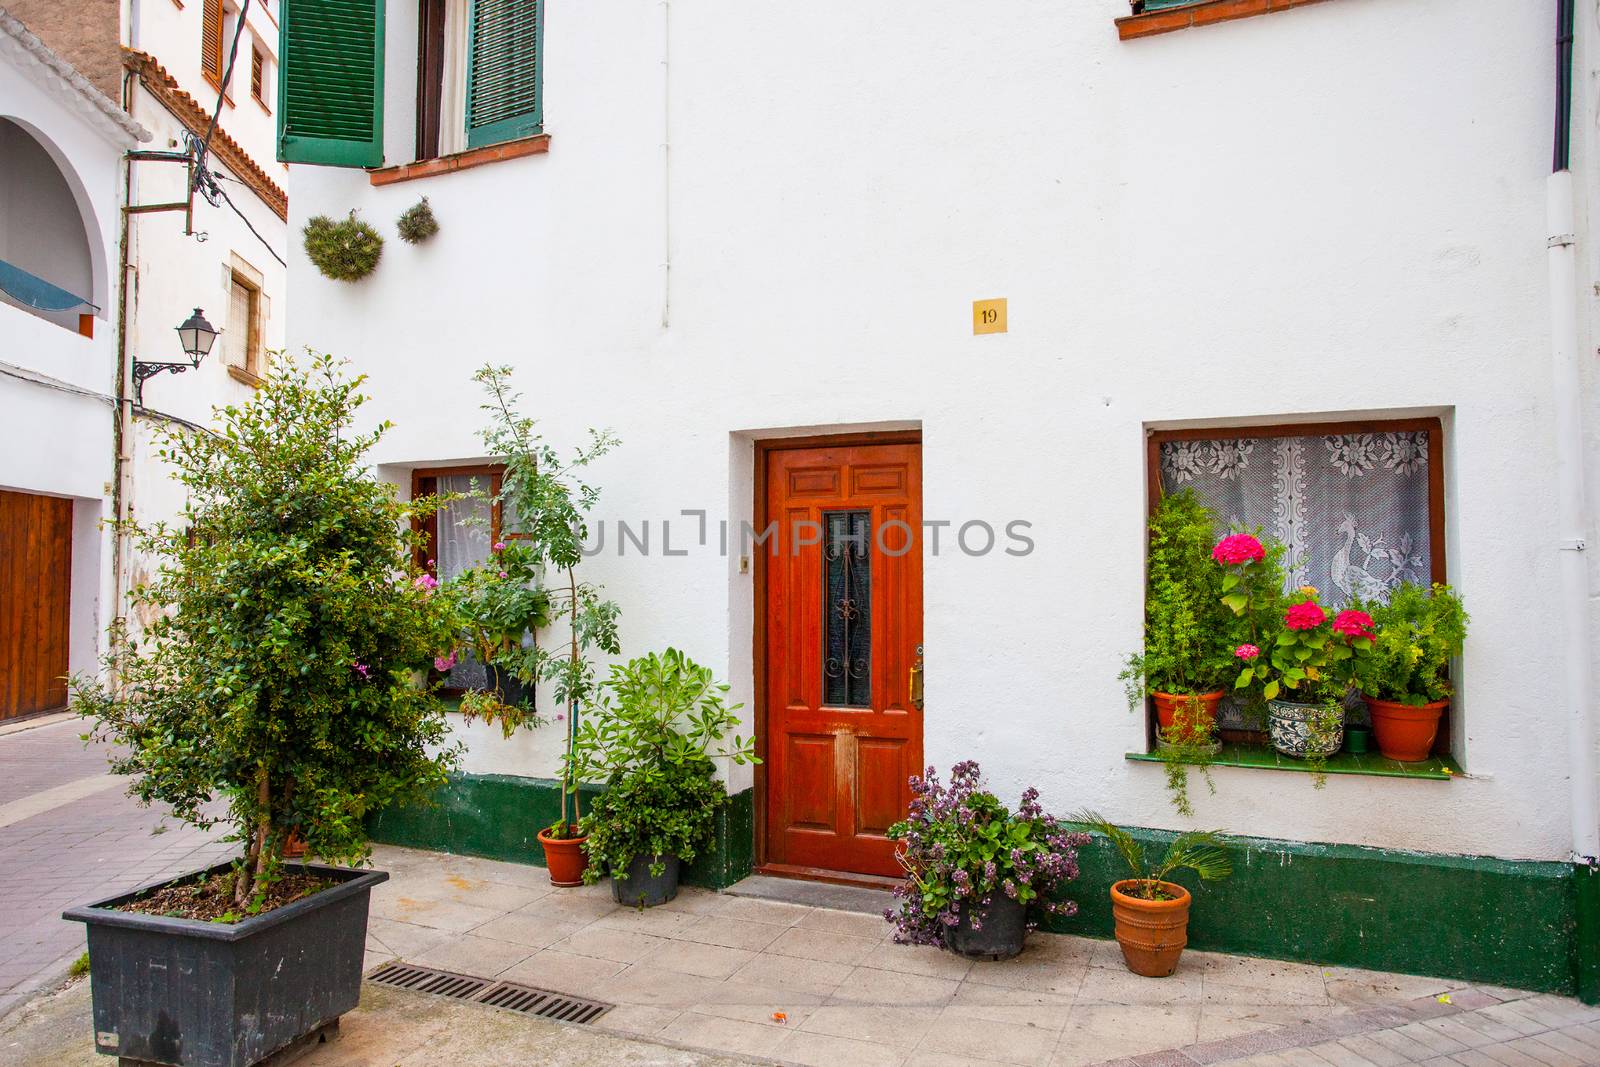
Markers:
{"x": 196, "y": 335}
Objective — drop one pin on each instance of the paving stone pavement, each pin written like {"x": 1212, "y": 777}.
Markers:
{"x": 772, "y": 981}
{"x": 91, "y": 842}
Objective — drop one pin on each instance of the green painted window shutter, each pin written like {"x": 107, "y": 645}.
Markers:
{"x": 330, "y": 82}
{"x": 504, "y": 69}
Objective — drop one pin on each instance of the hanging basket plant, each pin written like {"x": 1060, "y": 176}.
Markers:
{"x": 346, "y": 250}
{"x": 417, "y": 223}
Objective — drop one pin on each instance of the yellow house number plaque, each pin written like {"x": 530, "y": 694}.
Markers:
{"x": 989, "y": 316}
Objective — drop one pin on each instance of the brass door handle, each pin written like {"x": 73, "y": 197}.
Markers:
{"x": 914, "y": 682}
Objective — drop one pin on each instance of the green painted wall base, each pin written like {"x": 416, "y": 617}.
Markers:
{"x": 1531, "y": 925}
{"x": 1504, "y": 922}
{"x": 499, "y": 816}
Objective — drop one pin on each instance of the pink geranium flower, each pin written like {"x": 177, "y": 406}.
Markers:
{"x": 1307, "y": 616}
{"x": 1238, "y": 548}
{"x": 499, "y": 546}
{"x": 1354, "y": 624}
{"x": 362, "y": 669}
{"x": 426, "y": 581}
{"x": 444, "y": 663}
{"x": 1247, "y": 652}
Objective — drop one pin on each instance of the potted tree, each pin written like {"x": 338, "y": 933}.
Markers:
{"x": 547, "y": 503}
{"x": 1403, "y": 670}
{"x": 286, "y": 630}
{"x": 651, "y": 736}
{"x": 1186, "y": 660}
{"x": 978, "y": 876}
{"x": 1152, "y": 913}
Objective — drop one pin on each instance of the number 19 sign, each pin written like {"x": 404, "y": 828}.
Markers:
{"x": 989, "y": 316}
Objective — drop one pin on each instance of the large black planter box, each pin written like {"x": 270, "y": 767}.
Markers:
{"x": 198, "y": 994}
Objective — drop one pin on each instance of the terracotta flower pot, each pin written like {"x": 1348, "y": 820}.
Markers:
{"x": 1405, "y": 732}
{"x": 564, "y": 857}
{"x": 1200, "y": 719}
{"x": 1152, "y": 933}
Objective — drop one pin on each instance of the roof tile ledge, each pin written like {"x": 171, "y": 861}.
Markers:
{"x": 538, "y": 144}
{"x": 189, "y": 111}
{"x": 1200, "y": 13}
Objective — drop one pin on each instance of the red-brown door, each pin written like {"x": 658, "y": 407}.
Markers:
{"x": 35, "y": 580}
{"x": 843, "y": 638}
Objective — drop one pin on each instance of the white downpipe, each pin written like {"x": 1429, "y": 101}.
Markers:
{"x": 666, "y": 164}
{"x": 1567, "y": 397}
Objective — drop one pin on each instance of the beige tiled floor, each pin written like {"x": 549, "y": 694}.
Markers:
{"x": 771, "y": 981}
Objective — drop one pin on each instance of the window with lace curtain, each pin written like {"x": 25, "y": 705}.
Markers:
{"x": 1358, "y": 507}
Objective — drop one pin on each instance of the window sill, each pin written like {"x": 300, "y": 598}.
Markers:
{"x": 1202, "y": 13}
{"x": 239, "y": 374}
{"x": 1264, "y": 757}
{"x": 538, "y": 144}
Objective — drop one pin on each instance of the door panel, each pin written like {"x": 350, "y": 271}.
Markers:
{"x": 843, "y": 631}
{"x": 35, "y": 583}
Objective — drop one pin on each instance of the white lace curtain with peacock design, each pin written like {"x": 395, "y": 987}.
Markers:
{"x": 1351, "y": 510}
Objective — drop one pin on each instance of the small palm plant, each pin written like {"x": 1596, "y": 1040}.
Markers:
{"x": 1200, "y": 851}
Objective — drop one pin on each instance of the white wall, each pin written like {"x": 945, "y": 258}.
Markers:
{"x": 1335, "y": 210}
{"x": 56, "y": 441}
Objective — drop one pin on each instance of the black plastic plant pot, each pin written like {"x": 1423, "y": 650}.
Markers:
{"x": 641, "y": 889}
{"x": 199, "y": 994}
{"x": 996, "y": 935}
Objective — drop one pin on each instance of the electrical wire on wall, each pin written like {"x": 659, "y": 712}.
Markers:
{"x": 206, "y": 183}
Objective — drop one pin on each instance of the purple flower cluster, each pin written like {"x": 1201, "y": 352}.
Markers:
{"x": 960, "y": 846}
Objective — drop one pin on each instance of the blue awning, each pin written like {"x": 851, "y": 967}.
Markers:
{"x": 35, "y": 292}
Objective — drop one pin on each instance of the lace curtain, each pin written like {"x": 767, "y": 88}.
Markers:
{"x": 1351, "y": 510}
{"x": 463, "y": 541}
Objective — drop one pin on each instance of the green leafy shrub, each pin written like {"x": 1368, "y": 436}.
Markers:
{"x": 650, "y": 736}
{"x": 1188, "y": 630}
{"x": 1419, "y": 631}
{"x": 416, "y": 223}
{"x": 498, "y": 604}
{"x": 288, "y": 623}
{"x": 346, "y": 251}
{"x": 1201, "y": 851}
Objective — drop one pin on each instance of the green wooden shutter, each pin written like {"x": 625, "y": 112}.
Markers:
{"x": 504, "y": 68}
{"x": 330, "y": 82}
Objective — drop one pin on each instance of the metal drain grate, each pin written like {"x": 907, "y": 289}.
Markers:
{"x": 508, "y": 995}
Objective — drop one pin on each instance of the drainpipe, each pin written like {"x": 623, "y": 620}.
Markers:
{"x": 1571, "y": 518}
{"x": 666, "y": 164}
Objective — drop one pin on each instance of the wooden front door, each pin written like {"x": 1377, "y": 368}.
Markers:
{"x": 35, "y": 582}
{"x": 843, "y": 636}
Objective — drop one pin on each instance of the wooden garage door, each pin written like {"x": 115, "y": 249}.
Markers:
{"x": 35, "y": 578}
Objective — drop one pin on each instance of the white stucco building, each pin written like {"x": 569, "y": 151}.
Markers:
{"x": 1297, "y": 260}
{"x": 61, "y": 142}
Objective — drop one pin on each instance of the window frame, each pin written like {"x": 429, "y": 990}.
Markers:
{"x": 253, "y": 367}
{"x": 258, "y": 76}
{"x": 211, "y": 59}
{"x": 1434, "y": 426}
{"x": 425, "y": 482}
{"x": 1443, "y": 746}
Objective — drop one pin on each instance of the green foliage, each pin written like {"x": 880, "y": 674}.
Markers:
{"x": 346, "y": 250}
{"x": 498, "y": 605}
{"x": 545, "y": 499}
{"x": 287, "y": 625}
{"x": 1418, "y": 632}
{"x": 1187, "y": 629}
{"x": 650, "y": 736}
{"x": 416, "y": 223}
{"x": 670, "y": 813}
{"x": 80, "y": 967}
{"x": 1187, "y": 744}
{"x": 1202, "y": 851}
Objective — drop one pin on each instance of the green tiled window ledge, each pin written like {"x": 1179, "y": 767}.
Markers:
{"x": 1439, "y": 768}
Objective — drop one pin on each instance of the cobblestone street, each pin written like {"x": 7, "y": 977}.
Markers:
{"x": 69, "y": 834}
